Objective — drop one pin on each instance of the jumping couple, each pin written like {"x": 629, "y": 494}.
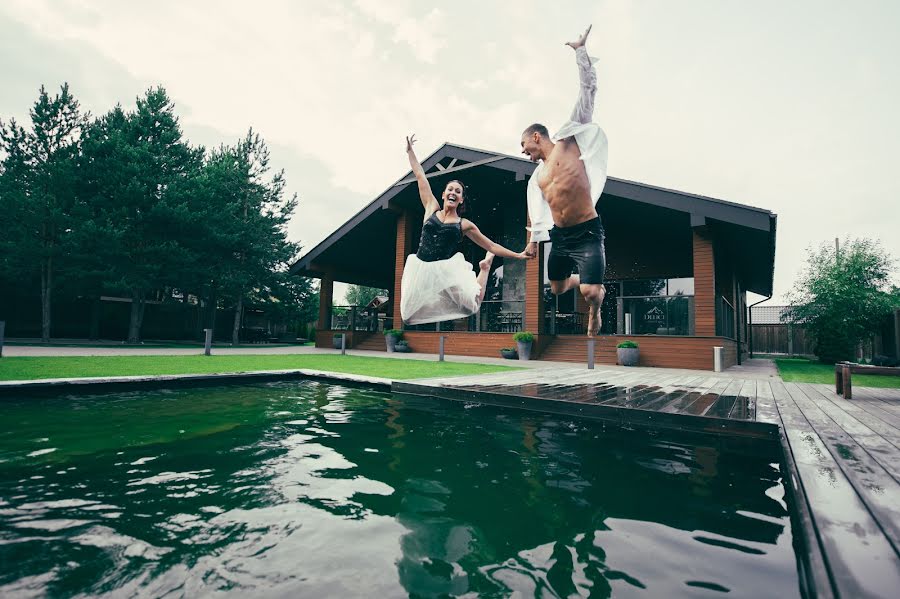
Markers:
{"x": 438, "y": 284}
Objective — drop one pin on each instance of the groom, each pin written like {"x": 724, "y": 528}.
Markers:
{"x": 563, "y": 191}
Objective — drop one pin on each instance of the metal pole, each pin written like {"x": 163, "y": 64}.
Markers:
{"x": 207, "y": 345}
{"x": 343, "y": 344}
{"x": 591, "y": 344}
{"x": 2, "y": 333}
{"x": 441, "y": 351}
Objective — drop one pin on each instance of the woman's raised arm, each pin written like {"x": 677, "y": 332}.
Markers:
{"x": 429, "y": 202}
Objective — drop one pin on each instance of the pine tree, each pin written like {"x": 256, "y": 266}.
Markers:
{"x": 137, "y": 173}
{"x": 39, "y": 172}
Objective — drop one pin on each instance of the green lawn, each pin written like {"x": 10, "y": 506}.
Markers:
{"x": 29, "y": 368}
{"x": 153, "y": 344}
{"x": 799, "y": 370}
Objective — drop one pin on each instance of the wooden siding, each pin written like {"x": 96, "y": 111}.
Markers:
{"x": 660, "y": 351}
{"x": 704, "y": 285}
{"x": 400, "y": 253}
{"x": 534, "y": 292}
{"x": 460, "y": 343}
{"x": 326, "y": 294}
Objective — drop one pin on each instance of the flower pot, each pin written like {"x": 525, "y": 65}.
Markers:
{"x": 628, "y": 356}
{"x": 402, "y": 348}
{"x": 391, "y": 342}
{"x": 336, "y": 342}
{"x": 509, "y": 354}
{"x": 524, "y": 349}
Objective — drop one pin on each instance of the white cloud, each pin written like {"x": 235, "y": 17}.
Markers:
{"x": 708, "y": 97}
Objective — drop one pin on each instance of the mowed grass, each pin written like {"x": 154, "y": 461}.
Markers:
{"x": 799, "y": 370}
{"x": 31, "y": 368}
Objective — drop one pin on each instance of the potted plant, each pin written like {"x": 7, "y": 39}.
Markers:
{"x": 628, "y": 353}
{"x": 523, "y": 340}
{"x": 391, "y": 337}
{"x": 509, "y": 353}
{"x": 402, "y": 346}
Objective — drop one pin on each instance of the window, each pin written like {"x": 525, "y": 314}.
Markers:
{"x": 654, "y": 307}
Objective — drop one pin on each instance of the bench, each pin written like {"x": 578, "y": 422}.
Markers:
{"x": 844, "y": 370}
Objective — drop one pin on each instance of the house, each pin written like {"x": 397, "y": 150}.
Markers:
{"x": 679, "y": 266}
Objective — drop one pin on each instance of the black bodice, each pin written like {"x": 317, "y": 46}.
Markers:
{"x": 439, "y": 240}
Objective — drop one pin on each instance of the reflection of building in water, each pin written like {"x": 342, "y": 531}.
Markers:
{"x": 492, "y": 500}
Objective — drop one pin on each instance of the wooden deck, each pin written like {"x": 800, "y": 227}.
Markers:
{"x": 842, "y": 457}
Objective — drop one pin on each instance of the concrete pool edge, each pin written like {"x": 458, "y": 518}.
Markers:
{"x": 105, "y": 384}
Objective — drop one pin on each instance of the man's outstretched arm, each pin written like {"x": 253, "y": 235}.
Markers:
{"x": 584, "y": 107}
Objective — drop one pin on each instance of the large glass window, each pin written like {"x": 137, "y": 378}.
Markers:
{"x": 653, "y": 307}
{"x": 670, "y": 315}
{"x": 632, "y": 307}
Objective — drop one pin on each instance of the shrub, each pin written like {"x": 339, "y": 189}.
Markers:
{"x": 524, "y": 337}
{"x": 395, "y": 332}
{"x": 627, "y": 344}
{"x": 843, "y": 296}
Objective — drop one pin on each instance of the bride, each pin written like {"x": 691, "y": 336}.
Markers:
{"x": 438, "y": 284}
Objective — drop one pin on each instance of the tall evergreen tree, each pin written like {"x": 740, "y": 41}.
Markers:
{"x": 137, "y": 171}
{"x": 42, "y": 193}
{"x": 257, "y": 227}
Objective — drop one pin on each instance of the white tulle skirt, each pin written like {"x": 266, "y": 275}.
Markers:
{"x": 438, "y": 291}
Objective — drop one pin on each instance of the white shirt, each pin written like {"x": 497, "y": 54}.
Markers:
{"x": 591, "y": 142}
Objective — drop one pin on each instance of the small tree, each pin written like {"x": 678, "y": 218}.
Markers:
{"x": 842, "y": 296}
{"x": 359, "y": 295}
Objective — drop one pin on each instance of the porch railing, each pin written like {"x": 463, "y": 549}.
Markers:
{"x": 725, "y": 317}
{"x": 359, "y": 318}
{"x": 565, "y": 323}
{"x": 495, "y": 316}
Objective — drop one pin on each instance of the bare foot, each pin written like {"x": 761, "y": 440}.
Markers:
{"x": 594, "y": 320}
{"x": 486, "y": 263}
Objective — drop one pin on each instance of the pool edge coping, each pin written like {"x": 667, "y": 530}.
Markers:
{"x": 89, "y": 384}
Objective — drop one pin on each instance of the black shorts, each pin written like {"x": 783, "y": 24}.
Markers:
{"x": 579, "y": 248}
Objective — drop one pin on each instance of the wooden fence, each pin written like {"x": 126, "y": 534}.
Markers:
{"x": 781, "y": 339}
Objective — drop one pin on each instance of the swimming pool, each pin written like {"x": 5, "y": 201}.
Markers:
{"x": 305, "y": 488}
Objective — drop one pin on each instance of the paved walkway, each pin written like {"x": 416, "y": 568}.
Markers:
{"x": 751, "y": 369}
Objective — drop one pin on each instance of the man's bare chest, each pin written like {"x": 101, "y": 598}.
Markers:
{"x": 562, "y": 165}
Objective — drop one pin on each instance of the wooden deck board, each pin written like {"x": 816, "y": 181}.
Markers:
{"x": 885, "y": 429}
{"x": 879, "y": 447}
{"x": 879, "y": 490}
{"x": 860, "y": 557}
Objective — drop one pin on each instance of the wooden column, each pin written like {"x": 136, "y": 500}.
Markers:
{"x": 704, "y": 284}
{"x": 534, "y": 293}
{"x": 326, "y": 295}
{"x": 401, "y": 251}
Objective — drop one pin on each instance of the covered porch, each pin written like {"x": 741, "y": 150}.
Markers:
{"x": 679, "y": 268}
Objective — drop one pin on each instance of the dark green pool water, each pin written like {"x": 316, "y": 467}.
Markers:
{"x": 306, "y": 489}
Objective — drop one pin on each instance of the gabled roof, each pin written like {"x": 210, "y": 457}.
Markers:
{"x": 452, "y": 158}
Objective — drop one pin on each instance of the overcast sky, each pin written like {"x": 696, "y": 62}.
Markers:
{"x": 788, "y": 106}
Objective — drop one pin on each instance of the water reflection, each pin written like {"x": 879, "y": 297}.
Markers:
{"x": 306, "y": 488}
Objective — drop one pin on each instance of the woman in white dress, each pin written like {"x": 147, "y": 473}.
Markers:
{"x": 438, "y": 284}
